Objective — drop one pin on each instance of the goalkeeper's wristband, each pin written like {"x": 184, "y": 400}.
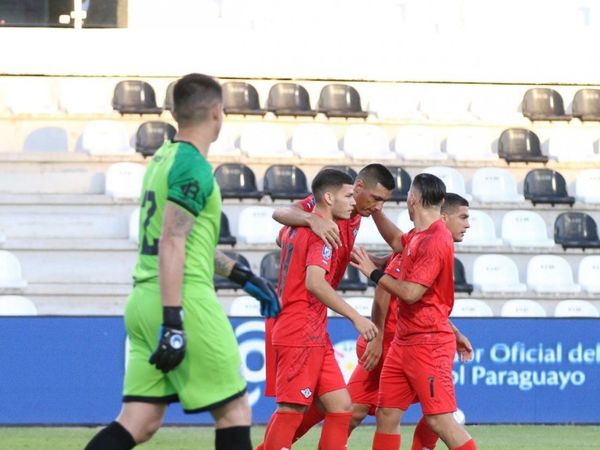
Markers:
{"x": 240, "y": 274}
{"x": 173, "y": 317}
{"x": 376, "y": 275}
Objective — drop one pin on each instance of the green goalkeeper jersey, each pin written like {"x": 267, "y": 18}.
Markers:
{"x": 179, "y": 173}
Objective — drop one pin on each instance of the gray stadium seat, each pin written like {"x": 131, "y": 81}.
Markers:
{"x": 150, "y": 136}
{"x": 520, "y": 145}
{"x": 289, "y": 99}
{"x": 135, "y": 97}
{"x": 341, "y": 100}
{"x": 543, "y": 104}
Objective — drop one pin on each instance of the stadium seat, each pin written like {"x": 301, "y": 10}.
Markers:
{"x": 285, "y": 181}
{"x": 134, "y": 226}
{"x": 389, "y": 104}
{"x": 124, "y": 180}
{"x": 30, "y": 96}
{"x": 575, "y": 308}
{"x": 244, "y": 306}
{"x": 576, "y": 230}
{"x": 269, "y": 266}
{"x": 572, "y": 146}
{"x": 368, "y": 234}
{"x": 482, "y": 231}
{"x": 587, "y": 186}
{"x": 586, "y": 104}
{"x": 265, "y": 140}
{"x": 225, "y": 145}
{"x": 522, "y": 308}
{"x": 470, "y": 145}
{"x": 403, "y": 222}
{"x": 470, "y": 307}
{"x": 520, "y": 145}
{"x": 403, "y": 181}
{"x": 79, "y": 96}
{"x": 588, "y": 274}
{"x": 315, "y": 140}
{"x": 417, "y": 143}
{"x": 168, "y": 102}
{"x": 237, "y": 181}
{"x": 225, "y": 236}
{"x": 522, "y": 228}
{"x": 498, "y": 108}
{"x": 445, "y": 106}
{"x": 367, "y": 142}
{"x": 241, "y": 98}
{"x": 225, "y": 283}
{"x": 11, "y": 275}
{"x": 152, "y": 135}
{"x": 341, "y": 100}
{"x": 352, "y": 281}
{"x": 543, "y": 104}
{"x": 256, "y": 225}
{"x": 550, "y": 274}
{"x": 491, "y": 184}
{"x": 452, "y": 178}
{"x": 361, "y": 304}
{"x": 16, "y": 305}
{"x": 289, "y": 99}
{"x": 460, "y": 279}
{"x": 135, "y": 97}
{"x": 347, "y": 169}
{"x": 496, "y": 273}
{"x": 546, "y": 186}
{"x": 105, "y": 137}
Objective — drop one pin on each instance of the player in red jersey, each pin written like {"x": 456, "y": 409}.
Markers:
{"x": 305, "y": 364}
{"x": 418, "y": 366}
{"x": 363, "y": 385}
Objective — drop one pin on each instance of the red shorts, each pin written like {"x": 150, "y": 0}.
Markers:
{"x": 305, "y": 372}
{"x": 420, "y": 373}
{"x": 270, "y": 364}
{"x": 363, "y": 385}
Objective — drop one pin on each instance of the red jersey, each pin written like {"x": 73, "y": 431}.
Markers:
{"x": 427, "y": 259}
{"x": 348, "y": 231}
{"x": 303, "y": 318}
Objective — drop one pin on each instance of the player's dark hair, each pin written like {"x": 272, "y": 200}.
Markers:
{"x": 453, "y": 201}
{"x": 431, "y": 188}
{"x": 329, "y": 180}
{"x": 193, "y": 96}
{"x": 377, "y": 173}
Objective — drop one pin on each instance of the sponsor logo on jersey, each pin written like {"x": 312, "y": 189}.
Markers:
{"x": 306, "y": 392}
{"x": 191, "y": 189}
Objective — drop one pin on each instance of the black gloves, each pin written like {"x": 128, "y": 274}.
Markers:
{"x": 171, "y": 341}
{"x": 257, "y": 287}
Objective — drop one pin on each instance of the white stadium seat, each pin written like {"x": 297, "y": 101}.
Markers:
{"x": 134, "y": 226}
{"x": 124, "y": 180}
{"x": 470, "y": 145}
{"x": 225, "y": 143}
{"x": 256, "y": 226}
{"x": 390, "y": 104}
{"x": 84, "y": 97}
{"x": 446, "y": 106}
{"x": 470, "y": 307}
{"x": 575, "y": 308}
{"x": 550, "y": 274}
{"x": 106, "y": 137}
{"x": 452, "y": 178}
{"x": 403, "y": 222}
{"x": 417, "y": 143}
{"x": 367, "y": 142}
{"x": 16, "y": 305}
{"x": 361, "y": 304}
{"x": 491, "y": 184}
{"x": 588, "y": 274}
{"x": 29, "y": 96}
{"x": 525, "y": 229}
{"x": 496, "y": 273}
{"x": 244, "y": 306}
{"x": 567, "y": 145}
{"x": 587, "y": 186}
{"x": 11, "y": 275}
{"x": 482, "y": 231}
{"x": 498, "y": 108}
{"x": 522, "y": 308}
{"x": 368, "y": 234}
{"x": 315, "y": 140}
{"x": 264, "y": 140}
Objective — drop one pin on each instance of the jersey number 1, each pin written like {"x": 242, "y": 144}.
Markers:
{"x": 149, "y": 245}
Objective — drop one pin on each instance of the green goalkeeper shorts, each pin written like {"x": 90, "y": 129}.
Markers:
{"x": 210, "y": 373}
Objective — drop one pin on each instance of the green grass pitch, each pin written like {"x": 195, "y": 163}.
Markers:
{"x": 495, "y": 437}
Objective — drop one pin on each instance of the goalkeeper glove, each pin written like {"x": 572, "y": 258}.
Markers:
{"x": 171, "y": 341}
{"x": 257, "y": 287}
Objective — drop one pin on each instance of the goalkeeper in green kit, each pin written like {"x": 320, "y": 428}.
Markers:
{"x": 182, "y": 346}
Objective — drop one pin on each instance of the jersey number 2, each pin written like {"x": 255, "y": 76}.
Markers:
{"x": 149, "y": 245}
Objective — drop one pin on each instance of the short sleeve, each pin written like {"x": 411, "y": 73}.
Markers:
{"x": 319, "y": 254}
{"x": 308, "y": 204}
{"x": 190, "y": 181}
{"x": 427, "y": 263}
{"x": 393, "y": 266}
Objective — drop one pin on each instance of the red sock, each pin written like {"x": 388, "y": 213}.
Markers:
{"x": 424, "y": 437}
{"x": 469, "y": 445}
{"x": 334, "y": 435}
{"x": 382, "y": 441}
{"x": 282, "y": 429}
{"x": 312, "y": 416}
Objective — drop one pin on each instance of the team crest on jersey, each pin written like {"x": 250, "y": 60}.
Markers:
{"x": 327, "y": 252}
{"x": 306, "y": 392}
{"x": 354, "y": 232}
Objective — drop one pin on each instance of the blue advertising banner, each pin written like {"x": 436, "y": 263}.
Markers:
{"x": 69, "y": 370}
